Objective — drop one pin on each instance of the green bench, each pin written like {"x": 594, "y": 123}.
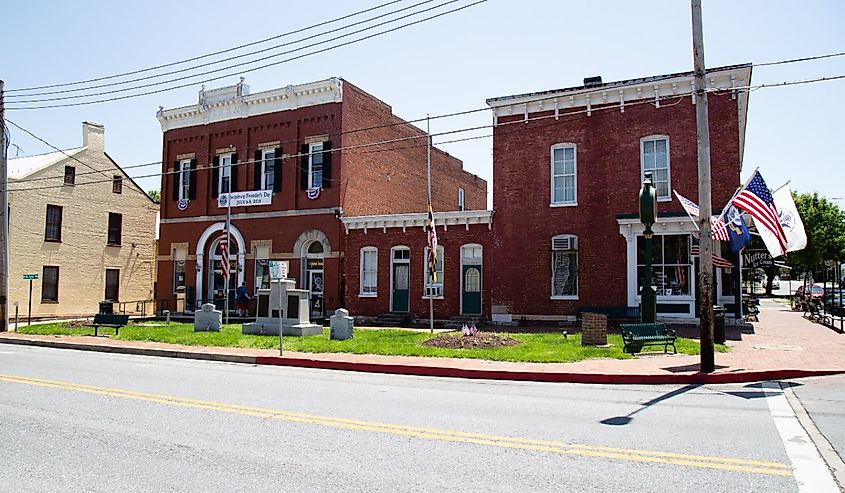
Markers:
{"x": 109, "y": 320}
{"x": 635, "y": 336}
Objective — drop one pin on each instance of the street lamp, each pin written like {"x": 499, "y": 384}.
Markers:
{"x": 648, "y": 216}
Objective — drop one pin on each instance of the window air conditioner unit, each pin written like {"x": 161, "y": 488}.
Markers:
{"x": 433, "y": 291}
{"x": 565, "y": 242}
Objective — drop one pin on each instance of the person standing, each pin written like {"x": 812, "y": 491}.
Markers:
{"x": 242, "y": 300}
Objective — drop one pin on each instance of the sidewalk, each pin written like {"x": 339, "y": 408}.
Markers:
{"x": 783, "y": 345}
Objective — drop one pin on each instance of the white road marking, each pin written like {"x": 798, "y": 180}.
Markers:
{"x": 811, "y": 472}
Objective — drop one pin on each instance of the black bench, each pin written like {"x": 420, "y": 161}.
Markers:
{"x": 635, "y": 336}
{"x": 109, "y": 320}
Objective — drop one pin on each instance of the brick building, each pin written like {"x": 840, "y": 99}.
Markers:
{"x": 325, "y": 150}
{"x": 567, "y": 168}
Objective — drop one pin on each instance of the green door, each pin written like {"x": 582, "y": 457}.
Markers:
{"x": 471, "y": 296}
{"x": 400, "y": 288}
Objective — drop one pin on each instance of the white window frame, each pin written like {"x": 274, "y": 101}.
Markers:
{"x": 552, "y": 251}
{"x": 461, "y": 194}
{"x": 362, "y": 293}
{"x": 184, "y": 179}
{"x": 650, "y": 138}
{"x": 315, "y": 149}
{"x": 265, "y": 161}
{"x": 563, "y": 203}
{"x": 433, "y": 286}
{"x": 225, "y": 165}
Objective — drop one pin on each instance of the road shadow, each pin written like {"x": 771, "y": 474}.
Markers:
{"x": 686, "y": 368}
{"x": 624, "y": 420}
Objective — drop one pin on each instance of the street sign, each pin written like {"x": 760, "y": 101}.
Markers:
{"x": 242, "y": 199}
{"x": 30, "y": 276}
{"x": 278, "y": 269}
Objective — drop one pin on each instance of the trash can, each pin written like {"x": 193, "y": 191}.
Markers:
{"x": 106, "y": 307}
{"x": 718, "y": 324}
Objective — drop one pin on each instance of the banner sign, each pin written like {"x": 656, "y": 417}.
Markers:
{"x": 242, "y": 199}
{"x": 278, "y": 269}
{"x": 757, "y": 258}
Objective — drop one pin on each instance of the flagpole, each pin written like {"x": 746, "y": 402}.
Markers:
{"x": 428, "y": 173}
{"x": 228, "y": 250}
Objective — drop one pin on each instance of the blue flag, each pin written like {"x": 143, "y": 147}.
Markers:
{"x": 737, "y": 230}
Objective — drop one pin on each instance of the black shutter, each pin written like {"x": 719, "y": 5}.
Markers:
{"x": 233, "y": 173}
{"x": 277, "y": 170}
{"x": 175, "y": 177}
{"x": 256, "y": 169}
{"x": 303, "y": 168}
{"x": 215, "y": 176}
{"x": 327, "y": 164}
{"x": 192, "y": 188}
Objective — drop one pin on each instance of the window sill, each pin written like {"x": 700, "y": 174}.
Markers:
{"x": 563, "y": 204}
{"x": 49, "y": 302}
{"x": 564, "y": 298}
{"x": 664, "y": 199}
{"x": 432, "y": 297}
{"x": 368, "y": 295}
{"x": 113, "y": 244}
{"x": 50, "y": 240}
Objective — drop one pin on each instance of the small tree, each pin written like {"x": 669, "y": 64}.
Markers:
{"x": 155, "y": 195}
{"x": 824, "y": 223}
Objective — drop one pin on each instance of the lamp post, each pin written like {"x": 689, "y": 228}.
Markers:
{"x": 648, "y": 216}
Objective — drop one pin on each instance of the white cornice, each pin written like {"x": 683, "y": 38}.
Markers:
{"x": 228, "y": 103}
{"x": 418, "y": 220}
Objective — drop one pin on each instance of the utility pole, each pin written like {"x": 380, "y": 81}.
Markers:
{"x": 4, "y": 218}
{"x": 703, "y": 131}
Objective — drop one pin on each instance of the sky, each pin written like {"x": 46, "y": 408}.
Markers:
{"x": 445, "y": 65}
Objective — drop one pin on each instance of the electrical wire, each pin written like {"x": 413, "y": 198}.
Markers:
{"x": 261, "y": 67}
{"x": 188, "y": 69}
{"x": 804, "y": 59}
{"x": 200, "y": 57}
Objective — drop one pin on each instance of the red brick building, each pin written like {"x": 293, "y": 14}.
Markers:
{"x": 567, "y": 168}
{"x": 324, "y": 151}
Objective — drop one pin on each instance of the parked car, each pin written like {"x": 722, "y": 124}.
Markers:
{"x": 804, "y": 294}
{"x": 834, "y": 302}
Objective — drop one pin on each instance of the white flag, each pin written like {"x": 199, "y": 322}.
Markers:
{"x": 793, "y": 227}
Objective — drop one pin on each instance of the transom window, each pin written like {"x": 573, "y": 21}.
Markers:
{"x": 268, "y": 158}
{"x": 564, "y": 257}
{"x": 400, "y": 254}
{"x": 225, "y": 181}
{"x": 671, "y": 265}
{"x": 655, "y": 160}
{"x": 564, "y": 183}
{"x": 315, "y": 165}
{"x": 433, "y": 288}
{"x": 369, "y": 271}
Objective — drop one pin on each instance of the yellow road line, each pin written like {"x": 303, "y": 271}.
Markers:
{"x": 702, "y": 461}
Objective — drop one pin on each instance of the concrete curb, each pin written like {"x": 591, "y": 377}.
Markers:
{"x": 449, "y": 372}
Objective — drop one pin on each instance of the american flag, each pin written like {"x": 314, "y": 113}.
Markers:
{"x": 756, "y": 199}
{"x": 431, "y": 233}
{"x": 224, "y": 255}
{"x": 718, "y": 261}
{"x": 719, "y": 230}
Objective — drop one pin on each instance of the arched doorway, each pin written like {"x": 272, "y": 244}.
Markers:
{"x": 208, "y": 246}
{"x": 217, "y": 289}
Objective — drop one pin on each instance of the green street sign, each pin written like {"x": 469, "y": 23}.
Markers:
{"x": 30, "y": 276}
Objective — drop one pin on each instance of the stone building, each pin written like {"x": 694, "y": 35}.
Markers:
{"x": 80, "y": 223}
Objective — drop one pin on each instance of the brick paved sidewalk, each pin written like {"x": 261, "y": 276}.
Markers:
{"x": 782, "y": 340}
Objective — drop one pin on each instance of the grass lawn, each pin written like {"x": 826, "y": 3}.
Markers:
{"x": 538, "y": 348}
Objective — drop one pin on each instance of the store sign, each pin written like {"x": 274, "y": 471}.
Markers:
{"x": 243, "y": 199}
{"x": 757, "y": 258}
{"x": 278, "y": 269}
{"x": 315, "y": 263}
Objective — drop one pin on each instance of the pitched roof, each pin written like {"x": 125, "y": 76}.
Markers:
{"x": 23, "y": 167}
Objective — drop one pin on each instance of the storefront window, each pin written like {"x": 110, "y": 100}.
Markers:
{"x": 262, "y": 274}
{"x": 671, "y": 264}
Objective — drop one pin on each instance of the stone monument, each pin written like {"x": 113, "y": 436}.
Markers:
{"x": 296, "y": 312}
{"x": 341, "y": 325}
{"x": 208, "y": 319}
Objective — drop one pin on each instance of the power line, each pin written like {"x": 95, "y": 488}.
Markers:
{"x": 804, "y": 59}
{"x": 193, "y": 59}
{"x": 385, "y": 142}
{"x": 188, "y": 69}
{"x": 322, "y": 50}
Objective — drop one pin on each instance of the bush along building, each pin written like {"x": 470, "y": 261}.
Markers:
{"x": 324, "y": 152}
{"x": 567, "y": 167}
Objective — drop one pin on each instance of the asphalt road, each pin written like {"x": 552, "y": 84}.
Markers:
{"x": 80, "y": 421}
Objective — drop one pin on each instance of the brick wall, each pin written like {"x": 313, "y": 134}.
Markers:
{"x": 391, "y": 178}
{"x": 451, "y": 240}
{"x": 608, "y": 175}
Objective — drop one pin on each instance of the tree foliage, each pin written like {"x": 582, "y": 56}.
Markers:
{"x": 155, "y": 195}
{"x": 824, "y": 223}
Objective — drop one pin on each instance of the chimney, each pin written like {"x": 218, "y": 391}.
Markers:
{"x": 93, "y": 136}
{"x": 592, "y": 81}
